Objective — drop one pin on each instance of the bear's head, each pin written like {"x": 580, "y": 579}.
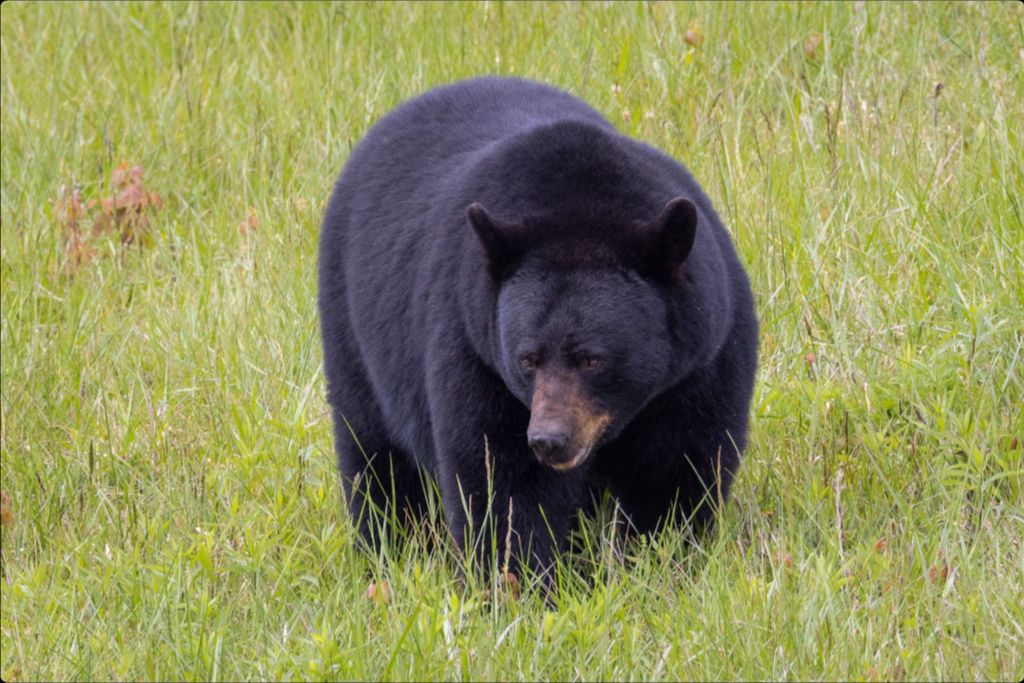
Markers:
{"x": 590, "y": 324}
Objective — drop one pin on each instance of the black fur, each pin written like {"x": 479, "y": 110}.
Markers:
{"x": 496, "y": 228}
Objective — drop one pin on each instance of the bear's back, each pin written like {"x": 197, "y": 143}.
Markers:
{"x": 412, "y": 157}
{"x": 453, "y": 119}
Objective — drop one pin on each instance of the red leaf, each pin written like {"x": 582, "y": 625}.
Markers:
{"x": 811, "y": 45}
{"x": 6, "y": 514}
{"x": 380, "y": 593}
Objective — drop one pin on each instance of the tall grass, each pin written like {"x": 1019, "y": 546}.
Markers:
{"x": 171, "y": 508}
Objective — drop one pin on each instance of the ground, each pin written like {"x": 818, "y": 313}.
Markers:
{"x": 170, "y": 504}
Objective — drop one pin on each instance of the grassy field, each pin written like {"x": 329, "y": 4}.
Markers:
{"x": 169, "y": 504}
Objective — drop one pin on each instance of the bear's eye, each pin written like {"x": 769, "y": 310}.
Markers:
{"x": 591, "y": 362}
{"x": 528, "y": 361}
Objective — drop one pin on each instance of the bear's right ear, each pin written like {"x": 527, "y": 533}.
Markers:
{"x": 497, "y": 239}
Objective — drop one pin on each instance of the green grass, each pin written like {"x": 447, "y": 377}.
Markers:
{"x": 165, "y": 445}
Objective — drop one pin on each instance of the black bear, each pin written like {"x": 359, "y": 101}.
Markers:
{"x": 530, "y": 306}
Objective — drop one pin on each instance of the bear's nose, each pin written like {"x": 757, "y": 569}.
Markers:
{"x": 549, "y": 445}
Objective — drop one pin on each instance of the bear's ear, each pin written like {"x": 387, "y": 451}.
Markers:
{"x": 497, "y": 239}
{"x": 670, "y": 237}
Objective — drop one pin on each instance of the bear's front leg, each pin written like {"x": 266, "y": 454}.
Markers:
{"x": 504, "y": 508}
{"x": 489, "y": 477}
{"x": 674, "y": 462}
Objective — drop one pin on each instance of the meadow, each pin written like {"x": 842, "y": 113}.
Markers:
{"x": 170, "y": 507}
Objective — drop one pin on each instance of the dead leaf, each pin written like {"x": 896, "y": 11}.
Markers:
{"x": 102, "y": 223}
{"x": 126, "y": 211}
{"x": 379, "y": 593}
{"x": 6, "y": 513}
{"x": 249, "y": 223}
{"x": 694, "y": 36}
{"x": 132, "y": 197}
{"x": 118, "y": 176}
{"x": 511, "y": 583}
{"x": 69, "y": 209}
{"x": 811, "y": 45}
{"x": 939, "y": 571}
{"x": 70, "y": 212}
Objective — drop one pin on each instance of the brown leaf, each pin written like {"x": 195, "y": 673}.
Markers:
{"x": 70, "y": 212}
{"x": 79, "y": 254}
{"x": 938, "y": 572}
{"x": 694, "y": 36}
{"x": 131, "y": 197}
{"x": 249, "y": 223}
{"x": 119, "y": 175}
{"x": 135, "y": 229}
{"x": 6, "y": 513}
{"x": 511, "y": 584}
{"x": 102, "y": 223}
{"x": 128, "y": 207}
{"x": 70, "y": 209}
{"x": 379, "y": 593}
{"x": 126, "y": 211}
{"x": 811, "y": 45}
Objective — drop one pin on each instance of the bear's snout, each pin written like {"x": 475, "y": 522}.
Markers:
{"x": 564, "y": 424}
{"x": 549, "y": 446}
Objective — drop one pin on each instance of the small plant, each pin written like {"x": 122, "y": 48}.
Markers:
{"x": 125, "y": 212}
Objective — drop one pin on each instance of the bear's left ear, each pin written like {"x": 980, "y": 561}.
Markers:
{"x": 670, "y": 237}
{"x": 497, "y": 239}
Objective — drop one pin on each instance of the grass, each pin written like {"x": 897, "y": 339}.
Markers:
{"x": 171, "y": 509}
